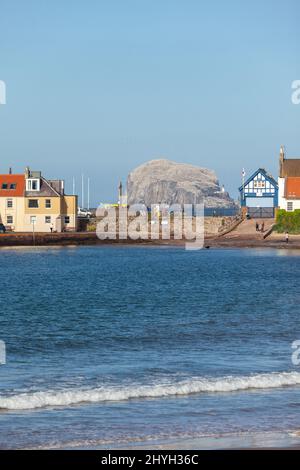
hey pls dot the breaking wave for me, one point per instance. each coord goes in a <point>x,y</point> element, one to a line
<point>52,398</point>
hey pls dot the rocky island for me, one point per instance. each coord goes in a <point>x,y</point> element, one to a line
<point>167,182</point>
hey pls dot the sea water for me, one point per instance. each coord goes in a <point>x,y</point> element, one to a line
<point>127,346</point>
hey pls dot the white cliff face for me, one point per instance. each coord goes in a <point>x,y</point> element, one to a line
<point>164,181</point>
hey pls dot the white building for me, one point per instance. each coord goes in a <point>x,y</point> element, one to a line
<point>288,182</point>
<point>259,194</point>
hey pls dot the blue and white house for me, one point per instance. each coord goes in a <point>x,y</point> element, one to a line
<point>259,194</point>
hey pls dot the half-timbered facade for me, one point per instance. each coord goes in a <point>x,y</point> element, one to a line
<point>259,194</point>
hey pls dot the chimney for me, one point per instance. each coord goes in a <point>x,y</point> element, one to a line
<point>281,160</point>
<point>27,172</point>
<point>10,170</point>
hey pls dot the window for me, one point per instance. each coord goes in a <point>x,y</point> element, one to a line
<point>9,219</point>
<point>33,219</point>
<point>48,203</point>
<point>33,203</point>
<point>8,186</point>
<point>9,203</point>
<point>290,206</point>
<point>67,219</point>
<point>33,185</point>
<point>259,184</point>
<point>47,219</point>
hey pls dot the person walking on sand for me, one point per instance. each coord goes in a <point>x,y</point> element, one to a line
<point>256,226</point>
<point>286,237</point>
<point>263,227</point>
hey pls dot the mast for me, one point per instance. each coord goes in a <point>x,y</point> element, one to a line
<point>82,191</point>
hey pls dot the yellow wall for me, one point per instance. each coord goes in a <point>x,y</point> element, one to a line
<point>55,205</point>
<point>69,205</point>
<point>61,206</point>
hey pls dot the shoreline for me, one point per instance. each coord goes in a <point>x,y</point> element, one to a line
<point>274,241</point>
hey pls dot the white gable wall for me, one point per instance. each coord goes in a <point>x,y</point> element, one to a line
<point>281,190</point>
<point>259,184</point>
<point>282,201</point>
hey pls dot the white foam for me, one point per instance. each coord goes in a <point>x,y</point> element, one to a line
<point>42,399</point>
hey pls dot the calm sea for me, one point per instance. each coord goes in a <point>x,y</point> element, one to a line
<point>116,346</point>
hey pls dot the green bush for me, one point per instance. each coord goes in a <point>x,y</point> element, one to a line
<point>288,221</point>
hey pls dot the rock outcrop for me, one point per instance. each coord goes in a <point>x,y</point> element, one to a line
<point>164,181</point>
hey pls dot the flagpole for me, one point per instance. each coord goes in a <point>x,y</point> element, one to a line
<point>82,191</point>
<point>243,184</point>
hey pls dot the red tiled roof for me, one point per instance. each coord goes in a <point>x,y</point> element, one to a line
<point>292,188</point>
<point>9,181</point>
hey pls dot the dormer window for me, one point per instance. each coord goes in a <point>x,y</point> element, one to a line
<point>32,184</point>
<point>8,186</point>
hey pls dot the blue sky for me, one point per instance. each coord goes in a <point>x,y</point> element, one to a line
<point>100,87</point>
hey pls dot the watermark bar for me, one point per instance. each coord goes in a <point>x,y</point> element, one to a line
<point>2,92</point>
<point>2,353</point>
<point>296,93</point>
<point>296,353</point>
